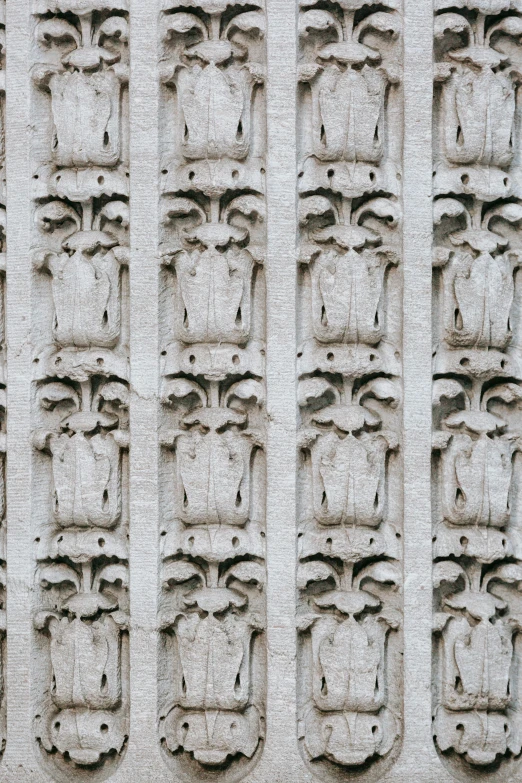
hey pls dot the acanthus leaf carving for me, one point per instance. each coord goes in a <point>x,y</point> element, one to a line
<point>80,253</point>
<point>86,453</point>
<point>477,541</point>
<point>348,261</point>
<point>215,78</point>
<point>478,622</point>
<point>85,270</point>
<point>349,394</point>
<point>83,69</point>
<point>212,612</point>
<point>214,448</point>
<point>214,267</point>
<point>348,657</point>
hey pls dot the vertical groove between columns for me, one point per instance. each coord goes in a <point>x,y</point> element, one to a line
<point>143,761</point>
<point>281,760</point>
<point>418,80</point>
<point>19,761</point>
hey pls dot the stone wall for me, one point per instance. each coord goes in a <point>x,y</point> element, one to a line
<point>260,391</point>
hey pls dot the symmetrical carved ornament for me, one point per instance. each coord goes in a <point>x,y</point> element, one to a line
<point>212,646</point>
<point>477,535</point>
<point>81,395</point>
<point>349,365</point>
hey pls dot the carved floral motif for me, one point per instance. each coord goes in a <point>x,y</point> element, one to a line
<point>214,617</point>
<point>348,259</point>
<point>85,650</point>
<point>208,62</point>
<point>214,260</point>
<point>349,709</point>
<point>348,69</point>
<point>347,720</point>
<point>80,334</point>
<point>477,541</point>
<point>214,447</point>
<point>349,451</point>
<point>349,76</point>
<point>478,269</point>
<point>85,270</point>
<point>479,84</point>
<point>213,248</point>
<point>86,453</point>
<point>478,621</point>
<point>83,67</point>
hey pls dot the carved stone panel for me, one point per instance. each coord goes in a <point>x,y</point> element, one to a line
<point>349,367</point>
<point>477,390</point>
<point>260,391</point>
<point>212,607</point>
<point>80,385</point>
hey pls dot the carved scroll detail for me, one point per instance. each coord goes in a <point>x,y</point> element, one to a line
<point>212,648</point>
<point>80,437</point>
<point>477,387</point>
<point>349,366</point>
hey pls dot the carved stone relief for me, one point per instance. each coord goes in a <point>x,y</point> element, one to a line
<point>212,309</point>
<point>477,388</point>
<point>224,676</point>
<point>349,393</point>
<point>81,395</point>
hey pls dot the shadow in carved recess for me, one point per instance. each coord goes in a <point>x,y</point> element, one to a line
<point>349,322</point>
<point>477,392</point>
<point>80,327</point>
<point>212,306</point>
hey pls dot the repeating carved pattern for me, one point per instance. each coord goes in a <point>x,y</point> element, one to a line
<point>478,387</point>
<point>349,366</point>
<point>80,414</point>
<point>212,646</point>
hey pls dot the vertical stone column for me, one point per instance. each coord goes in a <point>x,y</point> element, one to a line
<point>349,367</point>
<point>20,737</point>
<point>143,760</point>
<point>3,382</point>
<point>212,697</point>
<point>80,346</point>
<point>477,511</point>
<point>418,758</point>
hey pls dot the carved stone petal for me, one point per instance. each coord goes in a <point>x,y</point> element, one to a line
<point>215,106</point>
<point>348,111</point>
<point>213,482</point>
<point>212,737</point>
<point>346,294</point>
<point>476,481</point>
<point>86,294</point>
<point>85,735</point>
<point>348,479</point>
<point>214,296</point>
<point>347,665</point>
<point>86,114</point>
<point>478,295</point>
<point>86,664</point>
<point>86,477</point>
<point>347,738</point>
<point>214,657</point>
<point>477,663</point>
<point>477,736</point>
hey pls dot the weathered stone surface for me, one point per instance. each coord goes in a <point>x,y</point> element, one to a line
<point>260,391</point>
